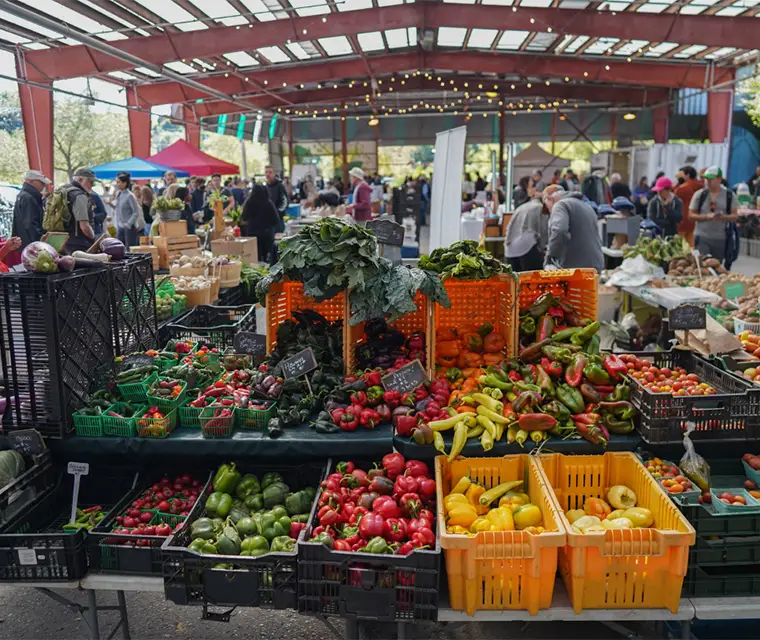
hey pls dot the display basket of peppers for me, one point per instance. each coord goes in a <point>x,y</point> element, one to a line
<point>480,327</point>
<point>195,574</point>
<point>156,423</point>
<point>369,565</point>
<point>136,389</point>
<point>218,420</point>
<point>167,393</point>
<point>733,413</point>
<point>86,424</point>
<point>119,419</point>
<point>255,414</point>
<point>641,568</point>
<point>189,414</point>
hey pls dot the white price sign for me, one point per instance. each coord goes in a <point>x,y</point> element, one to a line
<point>77,469</point>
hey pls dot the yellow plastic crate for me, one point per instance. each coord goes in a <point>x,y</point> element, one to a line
<point>500,569</point>
<point>621,568</point>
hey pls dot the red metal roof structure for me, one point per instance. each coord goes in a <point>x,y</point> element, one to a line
<point>186,157</point>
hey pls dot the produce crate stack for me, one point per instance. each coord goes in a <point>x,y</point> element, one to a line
<point>213,325</point>
<point>133,301</point>
<point>55,336</point>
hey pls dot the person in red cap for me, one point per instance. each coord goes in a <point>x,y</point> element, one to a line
<point>665,209</point>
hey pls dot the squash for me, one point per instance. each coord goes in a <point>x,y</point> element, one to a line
<point>12,465</point>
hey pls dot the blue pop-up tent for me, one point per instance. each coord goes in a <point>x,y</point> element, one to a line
<point>137,168</point>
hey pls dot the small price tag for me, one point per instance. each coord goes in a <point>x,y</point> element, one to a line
<point>27,557</point>
<point>79,468</point>
<point>27,441</point>
<point>687,317</point>
<point>299,364</point>
<point>136,360</point>
<point>733,290</point>
<point>253,343</point>
<point>407,378</point>
<point>387,231</point>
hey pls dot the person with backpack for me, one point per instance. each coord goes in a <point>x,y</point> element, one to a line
<point>713,208</point>
<point>68,209</point>
<point>666,208</point>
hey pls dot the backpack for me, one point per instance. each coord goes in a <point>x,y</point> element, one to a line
<point>57,215</point>
<point>705,193</point>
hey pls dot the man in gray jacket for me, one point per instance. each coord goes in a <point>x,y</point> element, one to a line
<point>573,231</point>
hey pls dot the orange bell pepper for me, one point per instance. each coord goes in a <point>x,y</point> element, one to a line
<point>466,359</point>
<point>448,348</point>
<point>473,342</point>
<point>492,358</point>
<point>444,334</point>
<point>446,363</point>
<point>470,385</point>
<point>597,507</point>
<point>494,343</point>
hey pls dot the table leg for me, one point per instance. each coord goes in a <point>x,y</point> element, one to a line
<point>352,629</point>
<point>123,613</point>
<point>401,630</point>
<point>91,614</point>
<point>686,630</point>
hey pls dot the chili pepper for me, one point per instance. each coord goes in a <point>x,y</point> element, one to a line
<point>622,392</point>
<point>596,374</point>
<point>618,427</point>
<point>558,410</point>
<point>591,433</point>
<point>592,346</point>
<point>585,334</point>
<point>565,334</point>
<point>525,386</point>
<point>493,380</point>
<point>532,351</point>
<point>460,439</point>
<point>560,354</point>
<point>544,381</point>
<point>536,421</point>
<point>614,366</point>
<point>545,328</point>
<point>527,326</point>
<point>571,398</point>
<point>586,418</point>
<point>552,367</point>
<point>589,393</point>
<point>541,304</point>
<point>574,370</point>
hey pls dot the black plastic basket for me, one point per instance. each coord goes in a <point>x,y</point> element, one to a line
<point>55,334</point>
<point>133,304</point>
<point>16,496</point>
<point>715,582</point>
<point>231,297</point>
<point>731,414</point>
<point>268,581</point>
<point>212,325</point>
<point>366,586</point>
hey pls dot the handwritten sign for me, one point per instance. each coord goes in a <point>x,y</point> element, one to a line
<point>687,317</point>
<point>732,290</point>
<point>76,469</point>
<point>299,365</point>
<point>27,441</point>
<point>137,360</point>
<point>407,378</point>
<point>387,231</point>
<point>253,343</point>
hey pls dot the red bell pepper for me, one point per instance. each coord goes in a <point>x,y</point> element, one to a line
<point>386,507</point>
<point>432,410</point>
<point>416,468</point>
<point>296,528</point>
<point>347,510</point>
<point>356,494</point>
<point>405,425</point>
<point>341,545</point>
<point>337,415</point>
<point>426,489</point>
<point>410,505</point>
<point>384,413</point>
<point>423,538</point>
<point>407,399</point>
<point>369,418</point>
<point>393,463</point>
<point>405,549</point>
<point>574,370</point>
<point>371,525</point>
<point>394,530</point>
<point>376,471</point>
<point>405,484</point>
<point>392,398</point>
<point>382,485</point>
<point>415,524</point>
<point>349,421</point>
<point>420,393</point>
<point>345,467</point>
<point>373,378</point>
<point>329,516</point>
<point>359,397</point>
<point>332,498</point>
<point>351,534</point>
<point>427,514</point>
<point>552,367</point>
<point>356,516</point>
<point>614,366</point>
<point>359,478</point>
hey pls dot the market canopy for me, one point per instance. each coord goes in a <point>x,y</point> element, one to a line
<point>535,158</point>
<point>186,157</point>
<point>137,168</point>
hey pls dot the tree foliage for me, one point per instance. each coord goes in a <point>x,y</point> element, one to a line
<point>10,112</point>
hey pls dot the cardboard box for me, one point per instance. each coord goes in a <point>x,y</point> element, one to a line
<point>146,248</point>
<point>244,248</point>
<point>174,229</point>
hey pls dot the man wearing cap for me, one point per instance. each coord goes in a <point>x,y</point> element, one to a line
<point>28,210</point>
<point>712,208</point>
<point>361,208</point>
<point>666,208</point>
<point>81,234</point>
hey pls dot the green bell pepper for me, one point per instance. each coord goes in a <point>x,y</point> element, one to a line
<point>249,485</point>
<point>199,545</point>
<point>571,398</point>
<point>300,517</point>
<point>298,502</point>
<point>227,478</point>
<point>247,526</point>
<point>238,513</point>
<point>228,543</point>
<point>273,526</point>
<point>219,504</point>
<point>377,545</point>
<point>254,546</point>
<point>254,502</point>
<point>270,478</point>
<point>279,511</point>
<point>275,494</point>
<point>204,529</point>
<point>595,374</point>
<point>283,544</point>
<point>323,538</point>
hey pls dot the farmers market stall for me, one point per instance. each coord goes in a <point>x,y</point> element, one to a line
<point>378,421</point>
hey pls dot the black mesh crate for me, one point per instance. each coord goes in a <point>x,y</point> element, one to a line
<point>133,304</point>
<point>716,582</point>
<point>366,586</point>
<point>231,297</point>
<point>212,325</point>
<point>731,414</point>
<point>268,581</point>
<point>55,333</point>
<point>16,496</point>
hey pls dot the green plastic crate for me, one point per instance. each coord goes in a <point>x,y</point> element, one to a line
<point>157,427</point>
<point>165,403</point>
<point>223,427</point>
<point>137,391</point>
<point>88,425</point>
<point>254,418</point>
<point>190,417</point>
<point>122,427</point>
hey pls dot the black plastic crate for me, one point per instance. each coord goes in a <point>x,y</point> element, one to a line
<point>232,297</point>
<point>731,414</point>
<point>212,325</point>
<point>707,582</point>
<point>55,333</point>
<point>724,552</point>
<point>268,581</point>
<point>133,304</point>
<point>16,496</point>
<point>366,586</point>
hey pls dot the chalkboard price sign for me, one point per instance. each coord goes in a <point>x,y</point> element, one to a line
<point>299,365</point>
<point>137,360</point>
<point>27,441</point>
<point>253,343</point>
<point>407,378</point>
<point>688,317</point>
<point>387,231</point>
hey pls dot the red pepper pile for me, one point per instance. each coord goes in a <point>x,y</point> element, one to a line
<point>176,497</point>
<point>388,509</point>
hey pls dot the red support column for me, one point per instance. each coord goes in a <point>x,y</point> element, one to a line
<point>139,126</point>
<point>660,123</point>
<point>192,131</point>
<point>37,117</point>
<point>719,105</point>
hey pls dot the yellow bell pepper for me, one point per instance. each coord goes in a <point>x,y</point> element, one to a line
<point>457,529</point>
<point>454,499</point>
<point>528,516</point>
<point>473,493</point>
<point>482,524</point>
<point>463,515</point>
<point>501,518</point>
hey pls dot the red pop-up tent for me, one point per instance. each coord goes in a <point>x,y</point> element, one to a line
<point>186,157</point>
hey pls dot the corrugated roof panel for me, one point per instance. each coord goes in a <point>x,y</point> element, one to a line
<point>298,51</point>
<point>241,59</point>
<point>34,28</point>
<point>396,38</point>
<point>233,21</point>
<point>690,51</point>
<point>660,49</point>
<point>451,36</point>
<point>652,7</point>
<point>616,6</point>
<point>499,3</point>
<point>576,44</point>
<point>389,3</point>
<point>459,1</point>
<point>273,54</point>
<point>411,33</point>
<point>371,41</point>
<point>122,76</point>
<point>168,10</point>
<point>195,25</point>
<point>310,7</point>
<point>536,3</point>
<point>631,47</point>
<point>336,45</point>
<point>259,9</point>
<point>512,39</point>
<point>354,5</point>
<point>566,39</point>
<point>148,72</point>
<point>541,41</point>
<point>691,9</point>
<point>601,46</point>
<point>482,38</point>
<point>573,4</point>
<point>64,14</point>
<point>214,8</point>
<point>11,37</point>
<point>180,67</point>
<point>720,53</point>
<point>731,11</point>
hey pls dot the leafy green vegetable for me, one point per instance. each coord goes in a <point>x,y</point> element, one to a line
<point>464,261</point>
<point>250,277</point>
<point>658,250</point>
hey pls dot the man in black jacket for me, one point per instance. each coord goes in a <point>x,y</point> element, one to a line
<point>277,195</point>
<point>28,209</point>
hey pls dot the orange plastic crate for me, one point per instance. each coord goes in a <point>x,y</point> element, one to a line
<point>620,568</point>
<point>407,324</point>
<point>285,297</point>
<point>500,569</point>
<point>580,287</point>
<point>477,302</point>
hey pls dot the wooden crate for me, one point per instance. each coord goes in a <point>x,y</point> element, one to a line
<point>171,248</point>
<point>147,248</point>
<point>244,248</point>
<point>174,229</point>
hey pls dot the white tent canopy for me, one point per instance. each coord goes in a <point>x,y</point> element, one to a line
<point>535,158</point>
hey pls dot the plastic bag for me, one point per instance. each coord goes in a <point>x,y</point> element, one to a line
<point>693,465</point>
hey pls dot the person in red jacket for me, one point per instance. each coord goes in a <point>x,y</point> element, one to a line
<point>361,208</point>
<point>685,191</point>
